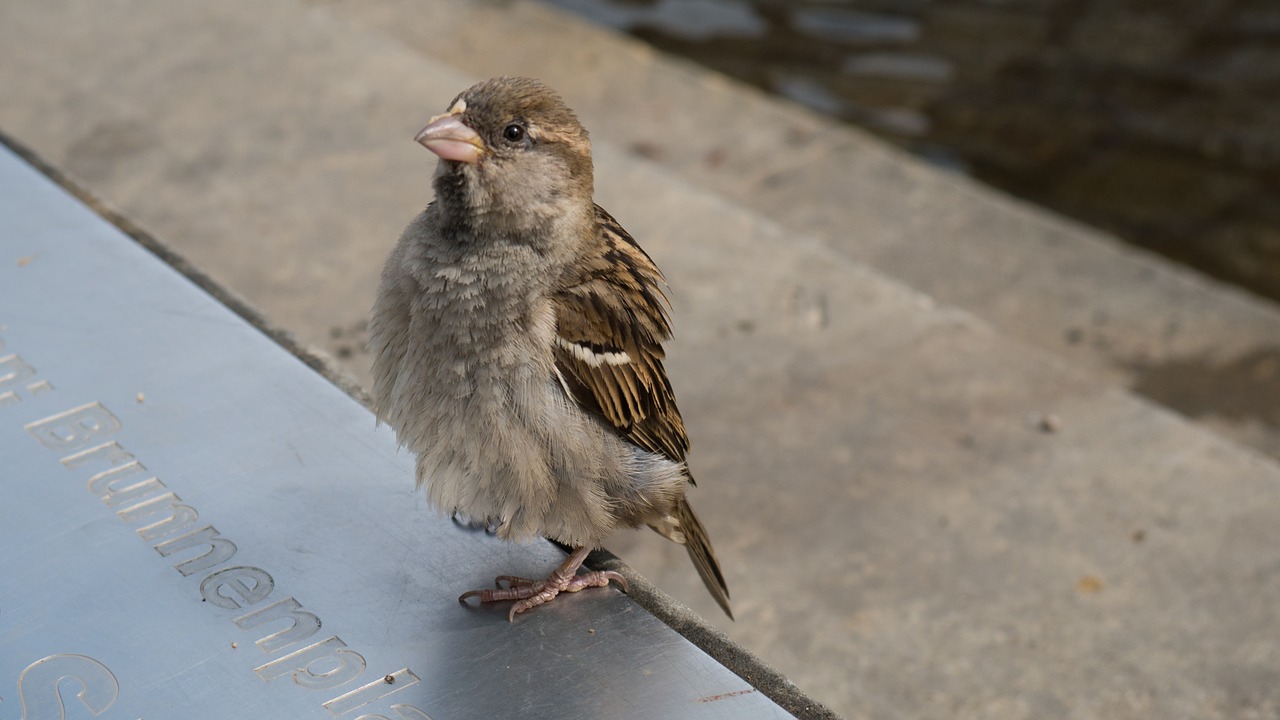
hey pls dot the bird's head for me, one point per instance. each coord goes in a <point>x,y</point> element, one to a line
<point>511,153</point>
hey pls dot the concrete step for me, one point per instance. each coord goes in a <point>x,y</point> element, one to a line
<point>1205,349</point>
<point>919,514</point>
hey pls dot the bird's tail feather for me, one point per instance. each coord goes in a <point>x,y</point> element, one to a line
<point>703,556</point>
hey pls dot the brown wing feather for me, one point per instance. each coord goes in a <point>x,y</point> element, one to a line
<point>613,303</point>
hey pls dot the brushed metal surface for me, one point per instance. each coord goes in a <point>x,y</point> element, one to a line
<point>194,524</point>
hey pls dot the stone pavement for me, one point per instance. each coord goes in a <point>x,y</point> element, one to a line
<point>932,488</point>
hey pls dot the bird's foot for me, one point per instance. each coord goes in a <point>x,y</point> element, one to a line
<point>532,593</point>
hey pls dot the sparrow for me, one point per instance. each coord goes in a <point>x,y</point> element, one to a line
<point>517,346</point>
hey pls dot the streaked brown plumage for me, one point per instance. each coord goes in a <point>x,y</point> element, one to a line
<point>612,301</point>
<point>517,341</point>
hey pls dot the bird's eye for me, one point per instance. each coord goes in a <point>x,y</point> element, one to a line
<point>513,132</point>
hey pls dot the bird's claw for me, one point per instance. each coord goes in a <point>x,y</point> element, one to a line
<point>529,594</point>
<point>611,575</point>
<point>512,581</point>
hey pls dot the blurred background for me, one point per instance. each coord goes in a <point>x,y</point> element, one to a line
<point>1157,120</point>
<point>966,446</point>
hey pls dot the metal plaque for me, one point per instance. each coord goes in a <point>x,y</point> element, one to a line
<point>193,524</point>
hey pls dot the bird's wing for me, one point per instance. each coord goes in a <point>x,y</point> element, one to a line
<point>611,321</point>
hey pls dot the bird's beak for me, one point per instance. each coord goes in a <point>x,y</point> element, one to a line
<point>448,137</point>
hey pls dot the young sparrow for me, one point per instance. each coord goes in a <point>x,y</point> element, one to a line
<point>517,344</point>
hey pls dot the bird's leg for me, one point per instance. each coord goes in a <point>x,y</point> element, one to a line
<point>532,593</point>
